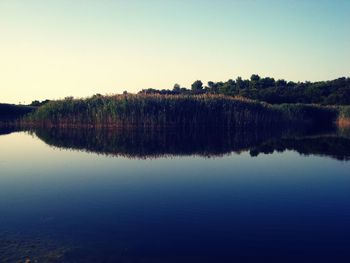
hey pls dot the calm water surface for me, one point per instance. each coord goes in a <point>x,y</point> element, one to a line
<point>71,196</point>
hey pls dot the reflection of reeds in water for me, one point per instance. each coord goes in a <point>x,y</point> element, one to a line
<point>152,143</point>
<point>135,143</point>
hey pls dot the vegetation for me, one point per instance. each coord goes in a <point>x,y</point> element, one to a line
<point>175,110</point>
<point>37,103</point>
<point>233,104</point>
<point>333,92</point>
<point>10,112</point>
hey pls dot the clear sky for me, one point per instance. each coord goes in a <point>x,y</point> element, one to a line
<point>53,49</point>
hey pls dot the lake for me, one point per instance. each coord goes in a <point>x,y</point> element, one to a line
<point>175,196</point>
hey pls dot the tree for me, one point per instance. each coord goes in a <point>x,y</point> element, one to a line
<point>255,77</point>
<point>254,81</point>
<point>39,103</point>
<point>281,83</point>
<point>239,83</point>
<point>35,103</point>
<point>267,82</point>
<point>176,88</point>
<point>197,86</point>
<point>212,87</point>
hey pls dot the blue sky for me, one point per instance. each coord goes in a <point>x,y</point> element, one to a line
<point>52,49</point>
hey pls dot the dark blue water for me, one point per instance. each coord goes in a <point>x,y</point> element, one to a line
<point>61,204</point>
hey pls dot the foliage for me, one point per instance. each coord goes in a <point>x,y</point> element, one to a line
<point>317,114</point>
<point>37,103</point>
<point>174,110</point>
<point>333,92</point>
<point>10,112</point>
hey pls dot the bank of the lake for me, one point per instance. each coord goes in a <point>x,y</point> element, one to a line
<point>10,113</point>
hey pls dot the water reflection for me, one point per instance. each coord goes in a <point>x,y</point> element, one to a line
<point>148,143</point>
<point>4,130</point>
<point>333,146</point>
<point>68,206</point>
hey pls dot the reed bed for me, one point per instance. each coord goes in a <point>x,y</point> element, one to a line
<point>155,110</point>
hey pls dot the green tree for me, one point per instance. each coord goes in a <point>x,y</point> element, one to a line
<point>255,77</point>
<point>176,88</point>
<point>197,86</point>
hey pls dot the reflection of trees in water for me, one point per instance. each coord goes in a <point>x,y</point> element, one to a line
<point>203,142</point>
<point>327,145</point>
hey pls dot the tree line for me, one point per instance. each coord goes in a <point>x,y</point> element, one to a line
<point>267,89</point>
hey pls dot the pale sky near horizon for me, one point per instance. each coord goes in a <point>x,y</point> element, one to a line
<point>53,49</point>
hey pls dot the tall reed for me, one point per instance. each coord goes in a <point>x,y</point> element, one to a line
<point>173,110</point>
